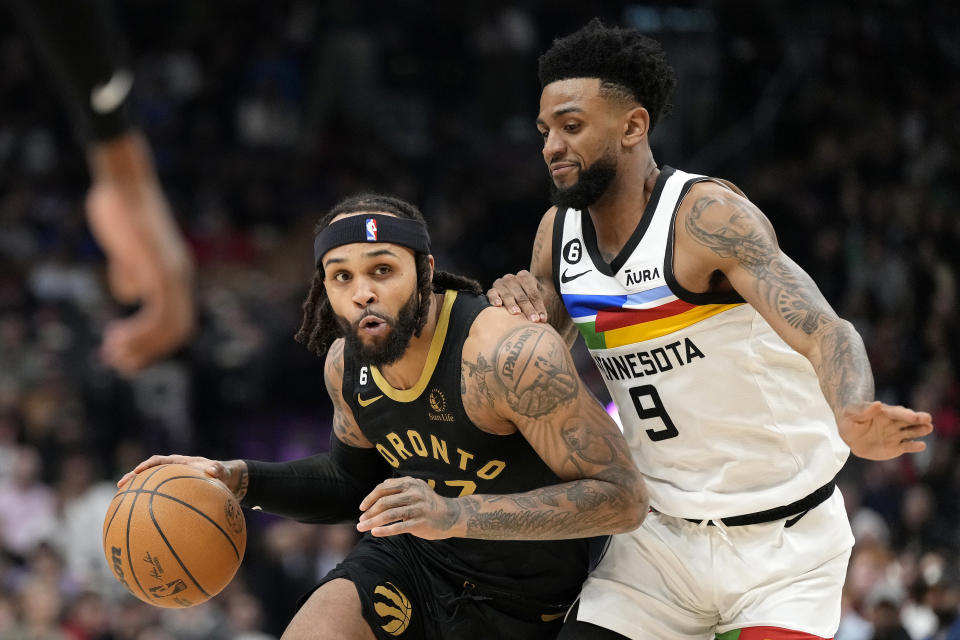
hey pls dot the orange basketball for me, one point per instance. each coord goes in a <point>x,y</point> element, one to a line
<point>173,536</point>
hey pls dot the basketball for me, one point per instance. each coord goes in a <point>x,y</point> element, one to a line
<point>173,536</point>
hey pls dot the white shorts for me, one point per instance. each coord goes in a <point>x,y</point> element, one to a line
<point>672,579</point>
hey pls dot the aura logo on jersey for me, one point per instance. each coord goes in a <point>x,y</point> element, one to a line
<point>639,276</point>
<point>393,607</point>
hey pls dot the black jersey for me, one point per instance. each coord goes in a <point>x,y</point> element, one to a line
<point>424,432</point>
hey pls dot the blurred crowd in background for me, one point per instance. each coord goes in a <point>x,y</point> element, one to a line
<point>840,123</point>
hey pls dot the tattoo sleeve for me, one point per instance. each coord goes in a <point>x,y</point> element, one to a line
<point>344,426</point>
<point>532,369</point>
<point>732,227</point>
<point>530,375</point>
<point>541,266</point>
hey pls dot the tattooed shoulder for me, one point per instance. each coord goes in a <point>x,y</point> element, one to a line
<point>533,368</point>
<point>333,366</point>
<point>732,227</point>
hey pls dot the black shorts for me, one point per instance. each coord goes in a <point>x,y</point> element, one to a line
<point>404,598</point>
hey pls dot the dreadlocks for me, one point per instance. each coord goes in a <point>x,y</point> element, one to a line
<point>630,65</point>
<point>319,327</point>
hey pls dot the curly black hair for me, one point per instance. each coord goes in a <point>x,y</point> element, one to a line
<point>628,64</point>
<point>319,327</point>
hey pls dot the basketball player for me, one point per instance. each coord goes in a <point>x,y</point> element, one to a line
<point>148,261</point>
<point>740,390</point>
<point>478,463</point>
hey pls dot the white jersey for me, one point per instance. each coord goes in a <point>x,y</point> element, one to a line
<point>722,416</point>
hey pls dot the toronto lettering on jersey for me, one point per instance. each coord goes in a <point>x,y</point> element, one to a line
<point>639,276</point>
<point>412,443</point>
<point>644,363</point>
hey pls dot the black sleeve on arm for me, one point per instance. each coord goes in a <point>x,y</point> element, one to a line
<point>325,488</point>
<point>79,44</point>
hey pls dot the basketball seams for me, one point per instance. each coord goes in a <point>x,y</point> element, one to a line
<point>136,533</point>
<point>173,551</point>
<point>133,504</point>
<point>156,491</point>
<point>109,523</point>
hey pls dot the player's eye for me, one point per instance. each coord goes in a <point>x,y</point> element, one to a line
<point>571,127</point>
<point>341,276</point>
<point>382,270</point>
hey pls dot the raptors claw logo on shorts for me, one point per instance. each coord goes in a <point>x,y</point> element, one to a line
<point>395,612</point>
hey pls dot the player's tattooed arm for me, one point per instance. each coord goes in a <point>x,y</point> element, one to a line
<point>529,379</point>
<point>344,424</point>
<point>746,248</point>
<point>532,292</point>
<point>541,266</point>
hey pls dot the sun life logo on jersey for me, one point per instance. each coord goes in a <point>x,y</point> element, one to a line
<point>438,406</point>
<point>371,230</point>
<point>393,607</point>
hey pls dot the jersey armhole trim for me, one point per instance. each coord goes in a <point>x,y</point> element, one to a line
<point>558,221</point>
<point>689,296</point>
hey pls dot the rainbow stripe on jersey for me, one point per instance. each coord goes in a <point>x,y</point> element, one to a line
<point>608,321</point>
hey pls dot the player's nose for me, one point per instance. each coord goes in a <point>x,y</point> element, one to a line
<point>553,147</point>
<point>364,293</point>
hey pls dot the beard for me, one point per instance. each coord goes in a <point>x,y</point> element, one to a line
<point>592,183</point>
<point>391,348</point>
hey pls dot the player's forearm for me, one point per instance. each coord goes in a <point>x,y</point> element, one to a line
<point>324,488</point>
<point>842,366</point>
<point>557,315</point>
<point>576,509</point>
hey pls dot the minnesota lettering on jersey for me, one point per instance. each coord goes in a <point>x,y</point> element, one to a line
<point>644,363</point>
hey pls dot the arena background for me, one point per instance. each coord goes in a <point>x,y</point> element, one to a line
<point>840,122</point>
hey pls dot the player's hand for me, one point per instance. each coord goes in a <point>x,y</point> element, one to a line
<point>147,259</point>
<point>231,473</point>
<point>520,293</point>
<point>408,505</point>
<point>878,431</point>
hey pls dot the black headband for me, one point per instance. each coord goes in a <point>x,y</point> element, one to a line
<point>371,227</point>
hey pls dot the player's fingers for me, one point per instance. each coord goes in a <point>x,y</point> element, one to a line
<point>510,292</point>
<point>391,529</point>
<point>865,412</point>
<point>912,446</point>
<point>155,461</point>
<point>901,414</point>
<point>387,487</point>
<point>127,477</point>
<point>493,297</point>
<point>387,502</point>
<point>916,431</point>
<point>397,514</point>
<point>534,293</point>
<point>528,296</point>
<point>214,468</point>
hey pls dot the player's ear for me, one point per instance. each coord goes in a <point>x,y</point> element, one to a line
<point>431,262</point>
<point>636,126</point>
